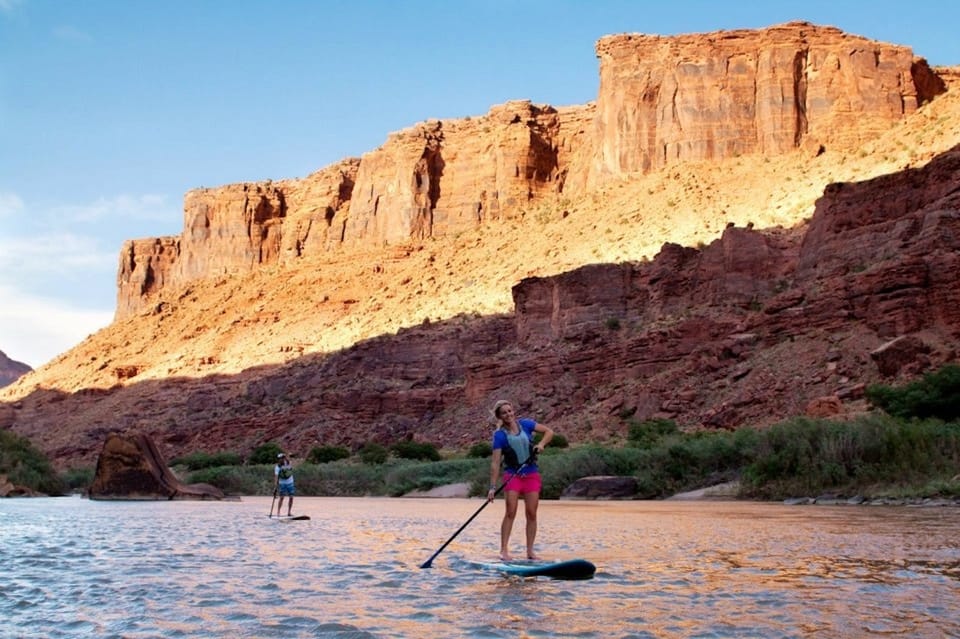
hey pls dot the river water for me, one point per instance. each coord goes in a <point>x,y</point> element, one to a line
<point>70,567</point>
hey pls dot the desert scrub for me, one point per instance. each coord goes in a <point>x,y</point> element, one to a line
<point>24,465</point>
<point>326,454</point>
<point>410,476</point>
<point>416,450</point>
<point>198,460</point>
<point>78,479</point>
<point>805,457</point>
<point>562,468</point>
<point>334,479</point>
<point>936,395</point>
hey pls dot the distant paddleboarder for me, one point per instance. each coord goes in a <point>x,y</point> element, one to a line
<point>513,446</point>
<point>283,482</point>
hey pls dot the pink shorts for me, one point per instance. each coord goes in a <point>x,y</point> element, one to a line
<point>526,483</point>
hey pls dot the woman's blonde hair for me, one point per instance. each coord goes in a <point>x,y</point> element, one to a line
<point>494,412</point>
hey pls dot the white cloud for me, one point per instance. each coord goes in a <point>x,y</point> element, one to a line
<point>58,267</point>
<point>10,203</point>
<point>71,241</point>
<point>147,207</point>
<point>34,330</point>
<point>62,254</point>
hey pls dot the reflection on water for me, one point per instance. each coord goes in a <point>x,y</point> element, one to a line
<point>74,568</point>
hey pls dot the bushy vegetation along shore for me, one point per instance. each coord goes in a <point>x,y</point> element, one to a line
<point>908,448</point>
<point>876,456</point>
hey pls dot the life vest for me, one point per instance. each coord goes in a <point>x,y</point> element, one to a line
<point>517,450</point>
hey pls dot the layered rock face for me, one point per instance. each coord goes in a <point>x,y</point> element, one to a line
<point>891,261</point>
<point>755,327</point>
<point>665,100</point>
<point>444,176</point>
<point>146,267</point>
<point>237,228</point>
<point>432,179</point>
<point>661,101</point>
<point>880,259</point>
<point>314,221</point>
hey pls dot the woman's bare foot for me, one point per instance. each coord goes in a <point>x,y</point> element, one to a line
<point>505,556</point>
<point>533,556</point>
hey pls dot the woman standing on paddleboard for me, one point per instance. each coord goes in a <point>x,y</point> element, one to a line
<point>513,446</point>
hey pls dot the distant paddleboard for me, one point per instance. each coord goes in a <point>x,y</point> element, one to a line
<point>569,569</point>
<point>288,518</point>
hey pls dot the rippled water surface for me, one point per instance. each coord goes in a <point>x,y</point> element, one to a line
<point>70,567</point>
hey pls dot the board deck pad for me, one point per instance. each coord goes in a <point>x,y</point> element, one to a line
<point>568,569</point>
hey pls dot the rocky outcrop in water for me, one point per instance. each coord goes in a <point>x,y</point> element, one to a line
<point>130,467</point>
<point>9,489</point>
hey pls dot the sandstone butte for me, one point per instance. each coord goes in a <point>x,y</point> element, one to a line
<point>743,226</point>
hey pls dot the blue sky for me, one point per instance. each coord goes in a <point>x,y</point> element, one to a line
<point>111,110</point>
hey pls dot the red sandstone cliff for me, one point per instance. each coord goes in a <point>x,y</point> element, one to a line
<point>662,101</point>
<point>719,95</point>
<point>510,255</point>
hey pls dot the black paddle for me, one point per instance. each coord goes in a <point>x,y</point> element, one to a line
<point>429,562</point>
<point>270,516</point>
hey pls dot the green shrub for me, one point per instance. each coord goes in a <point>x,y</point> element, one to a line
<point>685,462</point>
<point>342,479</point>
<point>561,470</point>
<point>807,457</point>
<point>649,432</point>
<point>409,476</point>
<point>935,395</point>
<point>877,454</point>
<point>265,454</point>
<point>78,479</point>
<point>335,479</point>
<point>236,480</point>
<point>416,450</point>
<point>26,466</point>
<point>481,449</point>
<point>198,460</point>
<point>327,454</point>
<point>559,441</point>
<point>373,454</point>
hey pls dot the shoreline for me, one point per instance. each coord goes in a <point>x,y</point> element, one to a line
<point>728,492</point>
